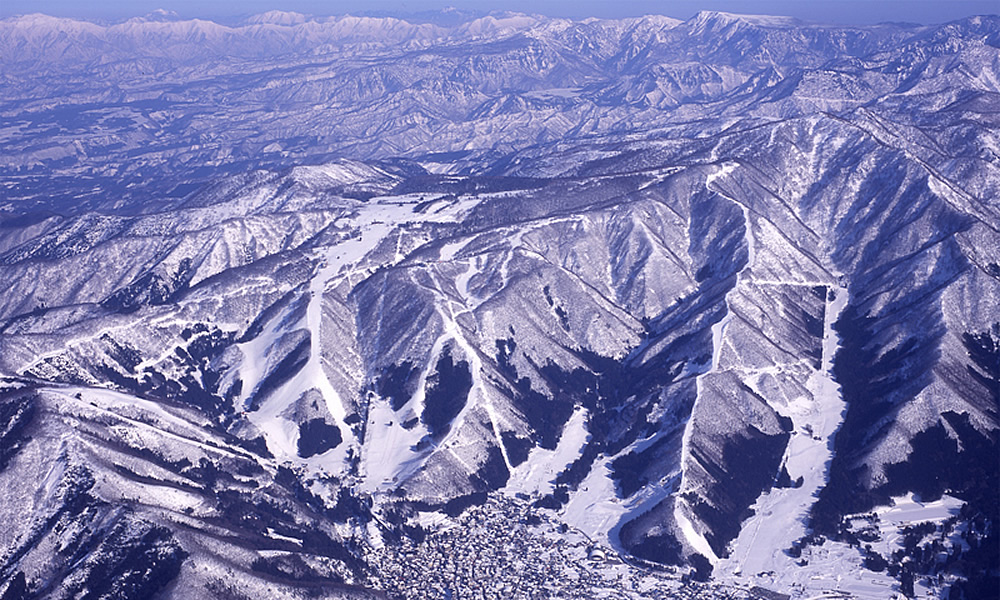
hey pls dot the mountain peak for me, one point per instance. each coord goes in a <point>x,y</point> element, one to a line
<point>712,18</point>
<point>277,17</point>
<point>500,22</point>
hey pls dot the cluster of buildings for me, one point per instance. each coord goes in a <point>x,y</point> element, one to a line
<point>506,550</point>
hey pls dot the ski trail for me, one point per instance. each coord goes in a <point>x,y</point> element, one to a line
<point>374,222</point>
<point>781,514</point>
<point>695,539</point>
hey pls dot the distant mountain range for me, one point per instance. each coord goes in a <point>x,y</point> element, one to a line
<point>499,307</point>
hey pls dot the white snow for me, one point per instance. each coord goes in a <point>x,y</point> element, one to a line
<point>118,405</point>
<point>536,474</point>
<point>595,508</point>
<point>478,395</point>
<point>831,569</point>
<point>719,329</point>
<point>374,221</point>
<point>693,537</point>
<point>907,510</point>
<point>723,171</point>
<point>555,92</point>
<point>834,569</point>
<point>274,535</point>
<point>781,513</point>
<point>389,459</point>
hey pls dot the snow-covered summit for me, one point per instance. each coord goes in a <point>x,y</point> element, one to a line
<point>278,17</point>
<point>160,15</point>
<point>708,20</point>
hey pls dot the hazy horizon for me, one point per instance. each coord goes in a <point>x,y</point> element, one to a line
<point>847,12</point>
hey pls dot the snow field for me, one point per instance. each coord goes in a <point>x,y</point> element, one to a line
<point>781,514</point>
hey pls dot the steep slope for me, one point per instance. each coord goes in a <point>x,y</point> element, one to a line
<point>137,498</point>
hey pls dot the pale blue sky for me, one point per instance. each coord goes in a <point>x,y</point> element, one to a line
<point>834,11</point>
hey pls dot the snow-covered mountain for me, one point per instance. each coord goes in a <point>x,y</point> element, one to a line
<point>312,307</point>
